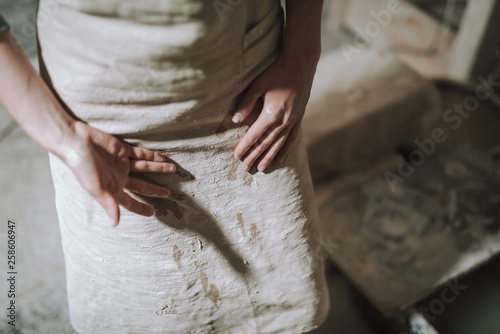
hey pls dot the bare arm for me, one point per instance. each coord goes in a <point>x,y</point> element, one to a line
<point>303,30</point>
<point>100,161</point>
<point>28,99</point>
<point>285,87</point>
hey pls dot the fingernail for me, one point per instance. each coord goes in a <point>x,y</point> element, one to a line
<point>244,167</point>
<point>261,168</point>
<point>237,156</point>
<point>237,117</point>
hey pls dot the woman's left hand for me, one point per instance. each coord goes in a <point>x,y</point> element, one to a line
<point>285,89</point>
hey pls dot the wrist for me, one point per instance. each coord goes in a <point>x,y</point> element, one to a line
<point>302,55</point>
<point>71,147</point>
<point>301,62</point>
<point>52,127</point>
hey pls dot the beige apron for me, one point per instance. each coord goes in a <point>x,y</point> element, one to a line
<point>230,251</point>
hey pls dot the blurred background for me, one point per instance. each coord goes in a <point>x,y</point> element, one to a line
<point>403,139</point>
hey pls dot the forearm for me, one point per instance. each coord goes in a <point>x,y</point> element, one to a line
<point>303,30</point>
<point>24,94</point>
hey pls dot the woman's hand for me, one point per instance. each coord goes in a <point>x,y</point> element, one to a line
<point>100,161</point>
<point>285,88</point>
<point>102,164</point>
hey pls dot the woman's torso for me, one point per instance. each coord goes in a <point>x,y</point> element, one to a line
<point>129,67</point>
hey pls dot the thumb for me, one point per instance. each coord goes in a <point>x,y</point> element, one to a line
<point>247,103</point>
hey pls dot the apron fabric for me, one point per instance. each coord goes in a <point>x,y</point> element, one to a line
<point>230,251</point>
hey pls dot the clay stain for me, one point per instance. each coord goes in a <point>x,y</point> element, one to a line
<point>254,231</point>
<point>213,294</point>
<point>235,169</point>
<point>177,256</point>
<point>247,179</point>
<point>241,224</point>
<point>210,291</point>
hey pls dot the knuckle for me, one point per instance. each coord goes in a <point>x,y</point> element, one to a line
<point>276,117</point>
<point>146,166</point>
<point>135,165</point>
<point>122,149</point>
<point>260,149</point>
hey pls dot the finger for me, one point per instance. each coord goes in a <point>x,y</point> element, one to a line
<point>247,103</point>
<point>272,117</point>
<point>260,147</point>
<point>140,153</point>
<point>135,206</point>
<point>151,166</point>
<point>289,142</point>
<point>274,149</point>
<point>147,188</point>
<point>110,205</point>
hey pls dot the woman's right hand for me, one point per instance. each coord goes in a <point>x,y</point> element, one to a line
<point>102,163</point>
